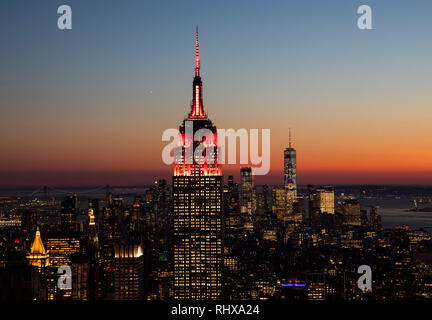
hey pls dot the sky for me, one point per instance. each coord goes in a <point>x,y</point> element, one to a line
<point>88,106</point>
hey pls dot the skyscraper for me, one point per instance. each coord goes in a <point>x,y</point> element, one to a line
<point>197,204</point>
<point>92,231</point>
<point>247,191</point>
<point>93,255</point>
<point>94,205</point>
<point>290,172</point>
<point>62,247</point>
<point>129,272</point>
<point>68,213</point>
<point>279,201</point>
<point>323,200</point>
<point>38,255</point>
<point>350,211</point>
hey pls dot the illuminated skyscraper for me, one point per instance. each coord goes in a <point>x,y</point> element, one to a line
<point>92,231</point>
<point>94,204</point>
<point>129,272</point>
<point>246,190</point>
<point>197,204</point>
<point>62,247</point>
<point>38,256</point>
<point>323,200</point>
<point>279,196</point>
<point>93,257</point>
<point>290,172</point>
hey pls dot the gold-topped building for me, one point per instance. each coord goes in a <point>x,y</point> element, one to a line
<point>38,256</point>
<point>129,272</point>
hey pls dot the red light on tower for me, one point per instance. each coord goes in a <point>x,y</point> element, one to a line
<point>197,194</point>
<point>197,108</point>
<point>197,60</point>
<point>200,121</point>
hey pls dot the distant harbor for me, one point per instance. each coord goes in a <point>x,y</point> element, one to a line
<point>415,208</point>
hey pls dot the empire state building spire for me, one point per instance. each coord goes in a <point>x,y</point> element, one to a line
<point>197,105</point>
<point>197,59</point>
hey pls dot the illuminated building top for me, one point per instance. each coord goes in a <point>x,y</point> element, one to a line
<point>197,204</point>
<point>185,163</point>
<point>91,217</point>
<point>38,255</point>
<point>127,251</point>
<point>37,246</point>
<point>197,111</point>
<point>93,237</point>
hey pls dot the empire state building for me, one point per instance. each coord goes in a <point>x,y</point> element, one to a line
<point>197,205</point>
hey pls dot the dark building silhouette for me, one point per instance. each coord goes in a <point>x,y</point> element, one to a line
<point>68,214</point>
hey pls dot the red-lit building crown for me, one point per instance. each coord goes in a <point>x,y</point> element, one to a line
<point>198,120</point>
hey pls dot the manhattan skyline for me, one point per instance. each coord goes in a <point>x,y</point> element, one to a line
<point>114,183</point>
<point>88,107</point>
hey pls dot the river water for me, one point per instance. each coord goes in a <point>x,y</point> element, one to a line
<point>394,213</point>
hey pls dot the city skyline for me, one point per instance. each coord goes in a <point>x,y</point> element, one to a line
<point>77,109</point>
<point>118,186</point>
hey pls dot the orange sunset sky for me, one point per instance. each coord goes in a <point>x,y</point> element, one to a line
<point>88,107</point>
